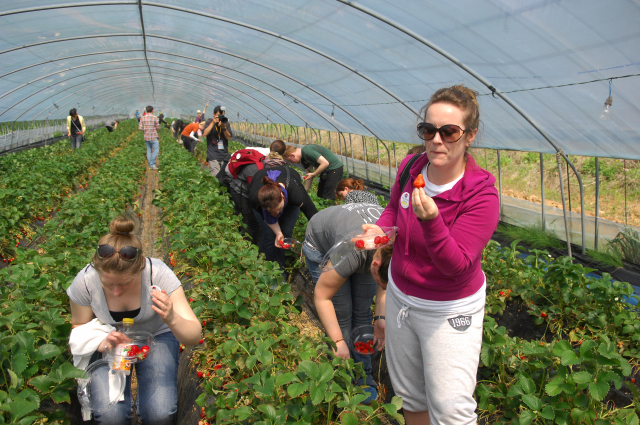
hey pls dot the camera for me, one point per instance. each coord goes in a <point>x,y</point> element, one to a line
<point>223,119</point>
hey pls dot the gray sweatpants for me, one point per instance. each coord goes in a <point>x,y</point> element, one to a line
<point>433,360</point>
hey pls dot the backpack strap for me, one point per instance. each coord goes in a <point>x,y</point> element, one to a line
<point>150,271</point>
<point>404,177</point>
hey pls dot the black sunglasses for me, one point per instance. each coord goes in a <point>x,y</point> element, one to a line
<point>449,133</point>
<point>127,253</point>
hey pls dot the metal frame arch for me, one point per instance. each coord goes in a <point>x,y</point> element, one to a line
<point>229,77</point>
<point>238,57</point>
<point>229,21</point>
<point>67,70</point>
<point>68,57</point>
<point>69,88</point>
<point>486,83</point>
<point>99,95</point>
<point>58,92</point>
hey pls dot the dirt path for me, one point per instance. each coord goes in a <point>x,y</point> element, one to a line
<point>150,216</point>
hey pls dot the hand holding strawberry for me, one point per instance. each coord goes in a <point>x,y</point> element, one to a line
<point>423,205</point>
<point>279,240</point>
<point>378,334</point>
<point>163,305</point>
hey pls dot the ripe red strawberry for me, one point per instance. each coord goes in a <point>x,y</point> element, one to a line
<point>633,380</point>
<point>204,323</point>
<point>200,374</point>
<point>145,349</point>
<point>190,300</point>
<point>377,240</point>
<point>543,314</point>
<point>359,244</point>
<point>201,341</point>
<point>384,239</point>
<point>502,293</point>
<point>419,181</point>
<point>218,366</point>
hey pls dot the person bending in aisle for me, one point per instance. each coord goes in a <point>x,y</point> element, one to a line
<point>346,186</point>
<point>112,125</point>
<point>343,296</point>
<point>176,127</point>
<point>277,197</point>
<point>326,164</point>
<point>121,283</point>
<point>278,146</point>
<point>149,123</point>
<point>75,129</point>
<point>239,191</point>
<point>218,132</point>
<point>189,139</point>
<point>162,121</point>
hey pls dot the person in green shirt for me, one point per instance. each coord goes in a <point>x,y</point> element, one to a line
<point>319,161</point>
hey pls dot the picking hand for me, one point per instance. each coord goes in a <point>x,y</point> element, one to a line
<point>113,339</point>
<point>163,305</point>
<point>279,240</point>
<point>423,205</point>
<point>342,350</point>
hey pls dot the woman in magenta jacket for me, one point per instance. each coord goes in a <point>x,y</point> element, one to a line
<point>436,290</point>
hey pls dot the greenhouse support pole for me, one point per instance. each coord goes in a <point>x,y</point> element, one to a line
<point>388,155</point>
<point>624,165</point>
<point>544,226</point>
<point>500,182</point>
<point>564,208</point>
<point>364,146</point>
<point>395,157</point>
<point>569,187</point>
<point>379,166</point>
<point>298,134</point>
<point>595,231</point>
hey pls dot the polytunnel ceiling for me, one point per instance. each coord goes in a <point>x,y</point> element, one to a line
<point>542,68</point>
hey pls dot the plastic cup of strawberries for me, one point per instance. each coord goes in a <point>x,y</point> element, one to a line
<point>362,340</point>
<point>138,348</point>
<point>354,242</point>
<point>290,243</point>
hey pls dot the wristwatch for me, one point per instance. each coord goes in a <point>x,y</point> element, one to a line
<point>378,317</point>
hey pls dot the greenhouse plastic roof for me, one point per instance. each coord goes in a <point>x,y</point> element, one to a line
<point>542,68</point>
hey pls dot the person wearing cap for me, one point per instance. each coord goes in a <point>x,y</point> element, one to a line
<point>218,132</point>
<point>201,114</point>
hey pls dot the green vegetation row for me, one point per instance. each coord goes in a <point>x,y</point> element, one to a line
<point>590,345</point>
<point>35,181</point>
<point>34,313</point>
<point>255,366</point>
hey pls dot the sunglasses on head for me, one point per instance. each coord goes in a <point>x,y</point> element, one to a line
<point>127,253</point>
<point>449,133</point>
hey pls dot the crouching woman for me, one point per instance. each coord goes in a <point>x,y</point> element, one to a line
<point>117,284</point>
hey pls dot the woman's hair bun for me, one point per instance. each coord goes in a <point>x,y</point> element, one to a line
<point>266,180</point>
<point>121,226</point>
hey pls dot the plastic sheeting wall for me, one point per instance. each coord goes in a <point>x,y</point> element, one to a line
<point>372,64</point>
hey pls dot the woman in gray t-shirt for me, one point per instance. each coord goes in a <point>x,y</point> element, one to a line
<point>118,285</point>
<point>343,296</point>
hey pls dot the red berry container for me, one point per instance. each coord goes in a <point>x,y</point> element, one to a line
<point>361,339</point>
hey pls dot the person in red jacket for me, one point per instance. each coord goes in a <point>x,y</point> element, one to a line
<point>436,290</point>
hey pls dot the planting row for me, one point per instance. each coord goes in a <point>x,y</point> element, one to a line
<point>34,313</point>
<point>255,365</point>
<point>35,181</point>
<point>572,348</point>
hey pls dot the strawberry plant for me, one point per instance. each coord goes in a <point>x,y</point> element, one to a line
<point>34,182</point>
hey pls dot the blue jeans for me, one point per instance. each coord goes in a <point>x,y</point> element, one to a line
<point>352,302</point>
<point>287,222</point>
<point>153,148</point>
<point>76,141</point>
<point>157,375</point>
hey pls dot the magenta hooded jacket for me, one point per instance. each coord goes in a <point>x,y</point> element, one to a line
<point>439,259</point>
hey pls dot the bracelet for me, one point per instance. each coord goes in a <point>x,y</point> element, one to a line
<point>378,317</point>
<point>341,339</point>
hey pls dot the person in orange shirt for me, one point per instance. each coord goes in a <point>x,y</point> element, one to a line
<point>189,139</point>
